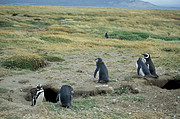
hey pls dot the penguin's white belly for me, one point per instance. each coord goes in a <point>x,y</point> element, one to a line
<point>98,74</point>
<point>136,65</point>
<point>141,72</point>
<point>40,98</point>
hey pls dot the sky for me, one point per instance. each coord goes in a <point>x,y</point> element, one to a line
<point>166,3</point>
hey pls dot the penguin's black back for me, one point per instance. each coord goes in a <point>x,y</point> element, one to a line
<point>103,73</point>
<point>151,66</point>
<point>66,95</point>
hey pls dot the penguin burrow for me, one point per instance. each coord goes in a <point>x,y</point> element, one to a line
<point>172,85</point>
<point>50,95</point>
<point>41,93</point>
<point>101,70</point>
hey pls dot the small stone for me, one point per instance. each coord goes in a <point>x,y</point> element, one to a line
<point>176,103</point>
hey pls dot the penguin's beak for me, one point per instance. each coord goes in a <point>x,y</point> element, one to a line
<point>143,54</point>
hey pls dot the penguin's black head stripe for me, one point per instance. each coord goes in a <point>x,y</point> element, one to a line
<point>146,55</point>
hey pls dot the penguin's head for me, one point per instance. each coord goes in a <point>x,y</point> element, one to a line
<point>139,58</point>
<point>39,86</point>
<point>98,60</point>
<point>146,55</point>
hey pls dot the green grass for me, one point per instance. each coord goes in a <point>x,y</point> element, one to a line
<point>140,36</point>
<point>60,68</point>
<point>137,98</point>
<point>120,91</point>
<point>3,90</point>
<point>53,59</point>
<point>171,49</point>
<point>177,77</point>
<point>77,105</point>
<point>56,40</point>
<point>6,24</point>
<point>83,104</point>
<point>128,78</point>
<point>12,117</point>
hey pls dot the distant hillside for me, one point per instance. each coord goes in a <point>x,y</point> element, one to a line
<point>131,4</point>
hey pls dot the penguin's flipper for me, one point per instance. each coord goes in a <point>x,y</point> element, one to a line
<point>97,69</point>
<point>33,101</point>
<point>58,97</point>
<point>138,69</point>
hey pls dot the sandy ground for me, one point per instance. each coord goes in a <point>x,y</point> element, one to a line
<point>77,70</point>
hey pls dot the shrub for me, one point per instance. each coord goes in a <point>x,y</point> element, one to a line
<point>24,61</point>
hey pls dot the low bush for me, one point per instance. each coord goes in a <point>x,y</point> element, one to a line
<point>25,61</point>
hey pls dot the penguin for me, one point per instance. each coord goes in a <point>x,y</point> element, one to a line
<point>101,70</point>
<point>65,96</point>
<point>150,64</point>
<point>142,68</point>
<point>39,95</point>
<point>106,35</point>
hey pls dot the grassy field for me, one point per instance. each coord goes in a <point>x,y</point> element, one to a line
<point>30,36</point>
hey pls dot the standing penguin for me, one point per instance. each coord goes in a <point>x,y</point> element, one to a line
<point>102,70</point>
<point>39,95</point>
<point>142,68</point>
<point>65,96</point>
<point>106,35</point>
<point>150,64</point>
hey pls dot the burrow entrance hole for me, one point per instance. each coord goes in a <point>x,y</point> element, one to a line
<point>172,85</point>
<point>165,84</point>
<point>50,94</point>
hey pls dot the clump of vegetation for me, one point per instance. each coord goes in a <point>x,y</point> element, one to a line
<point>54,59</point>
<point>139,36</point>
<point>5,24</point>
<point>56,40</point>
<point>177,77</point>
<point>24,61</point>
<point>171,49</point>
<point>120,91</point>
<point>3,90</point>
<point>128,78</point>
